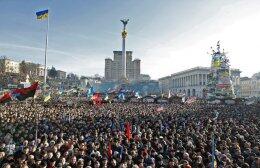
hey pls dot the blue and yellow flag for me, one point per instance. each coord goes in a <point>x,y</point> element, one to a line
<point>41,15</point>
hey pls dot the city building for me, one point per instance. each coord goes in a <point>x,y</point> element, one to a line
<point>145,87</point>
<point>113,68</point>
<point>9,66</point>
<point>193,82</point>
<point>165,84</point>
<point>256,85</point>
<point>34,69</point>
<point>250,87</point>
<point>136,69</point>
<point>40,70</point>
<point>144,77</point>
<point>61,74</point>
<point>235,78</point>
<point>87,82</point>
<point>245,87</point>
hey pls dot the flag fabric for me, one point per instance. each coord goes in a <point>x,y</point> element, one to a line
<point>250,102</point>
<point>24,93</point>
<point>191,100</point>
<point>35,95</point>
<point>216,115</point>
<point>90,92</point>
<point>5,98</point>
<point>169,94</point>
<point>41,15</point>
<point>128,131</point>
<point>183,99</point>
<point>121,96</point>
<point>47,97</point>
<point>37,92</point>
<point>97,98</point>
<point>113,127</point>
<point>137,95</point>
<point>107,97</point>
<point>122,127</point>
<point>215,163</point>
<point>109,150</point>
<point>159,109</point>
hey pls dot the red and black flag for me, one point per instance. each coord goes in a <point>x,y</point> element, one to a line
<point>5,98</point>
<point>128,131</point>
<point>97,98</point>
<point>24,93</point>
<point>109,150</point>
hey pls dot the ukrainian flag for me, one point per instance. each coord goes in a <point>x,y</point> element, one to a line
<point>41,15</point>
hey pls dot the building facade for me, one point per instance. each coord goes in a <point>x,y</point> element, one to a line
<point>34,69</point>
<point>192,82</point>
<point>136,70</point>
<point>144,77</point>
<point>250,87</point>
<point>165,84</point>
<point>61,74</point>
<point>235,78</point>
<point>113,68</point>
<point>246,87</point>
<point>9,66</point>
<point>40,70</point>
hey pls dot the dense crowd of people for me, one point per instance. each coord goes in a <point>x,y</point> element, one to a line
<point>175,136</point>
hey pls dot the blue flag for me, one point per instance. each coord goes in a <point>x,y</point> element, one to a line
<point>90,92</point>
<point>121,96</point>
<point>137,95</point>
<point>106,97</point>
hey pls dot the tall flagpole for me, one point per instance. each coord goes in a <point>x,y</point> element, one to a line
<point>45,76</point>
<point>46,47</point>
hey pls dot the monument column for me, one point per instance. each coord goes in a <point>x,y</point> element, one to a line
<point>124,34</point>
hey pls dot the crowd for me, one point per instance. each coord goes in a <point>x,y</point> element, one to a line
<point>84,136</point>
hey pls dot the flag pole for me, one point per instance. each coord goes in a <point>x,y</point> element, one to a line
<point>213,149</point>
<point>46,47</point>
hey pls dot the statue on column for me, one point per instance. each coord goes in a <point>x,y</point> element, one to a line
<point>124,32</point>
<point>124,21</point>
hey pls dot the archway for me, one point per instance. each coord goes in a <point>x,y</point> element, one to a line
<point>193,92</point>
<point>188,93</point>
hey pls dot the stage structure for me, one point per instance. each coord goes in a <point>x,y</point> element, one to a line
<point>219,83</point>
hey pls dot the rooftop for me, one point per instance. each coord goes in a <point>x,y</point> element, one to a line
<point>244,78</point>
<point>191,69</point>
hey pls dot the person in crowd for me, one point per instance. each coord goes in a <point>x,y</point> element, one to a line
<point>179,136</point>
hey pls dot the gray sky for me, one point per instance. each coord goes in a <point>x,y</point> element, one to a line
<point>167,35</point>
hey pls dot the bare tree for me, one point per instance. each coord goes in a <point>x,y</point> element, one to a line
<point>2,65</point>
<point>23,70</point>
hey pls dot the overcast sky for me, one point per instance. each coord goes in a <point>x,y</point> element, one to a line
<point>167,35</point>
